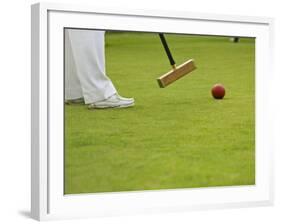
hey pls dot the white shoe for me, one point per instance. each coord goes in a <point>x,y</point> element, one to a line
<point>115,101</point>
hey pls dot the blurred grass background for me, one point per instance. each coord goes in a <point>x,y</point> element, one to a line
<point>176,137</point>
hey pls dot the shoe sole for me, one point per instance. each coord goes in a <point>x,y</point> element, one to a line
<point>111,107</point>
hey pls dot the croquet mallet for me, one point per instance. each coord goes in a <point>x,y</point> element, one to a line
<point>178,71</point>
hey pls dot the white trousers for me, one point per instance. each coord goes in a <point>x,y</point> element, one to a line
<point>85,66</point>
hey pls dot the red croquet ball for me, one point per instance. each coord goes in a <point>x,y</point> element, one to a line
<point>218,91</point>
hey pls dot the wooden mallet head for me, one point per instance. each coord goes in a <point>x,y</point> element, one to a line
<point>177,73</point>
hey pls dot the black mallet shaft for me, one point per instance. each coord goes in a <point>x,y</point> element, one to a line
<point>168,52</point>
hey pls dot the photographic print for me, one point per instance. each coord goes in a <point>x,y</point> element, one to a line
<point>149,111</point>
<point>139,111</point>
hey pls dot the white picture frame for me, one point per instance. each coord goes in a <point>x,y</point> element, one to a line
<point>48,201</point>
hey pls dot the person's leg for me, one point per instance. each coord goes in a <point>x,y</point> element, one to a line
<point>88,52</point>
<point>73,90</point>
<point>236,39</point>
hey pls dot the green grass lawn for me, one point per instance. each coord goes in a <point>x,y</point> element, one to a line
<point>176,137</point>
